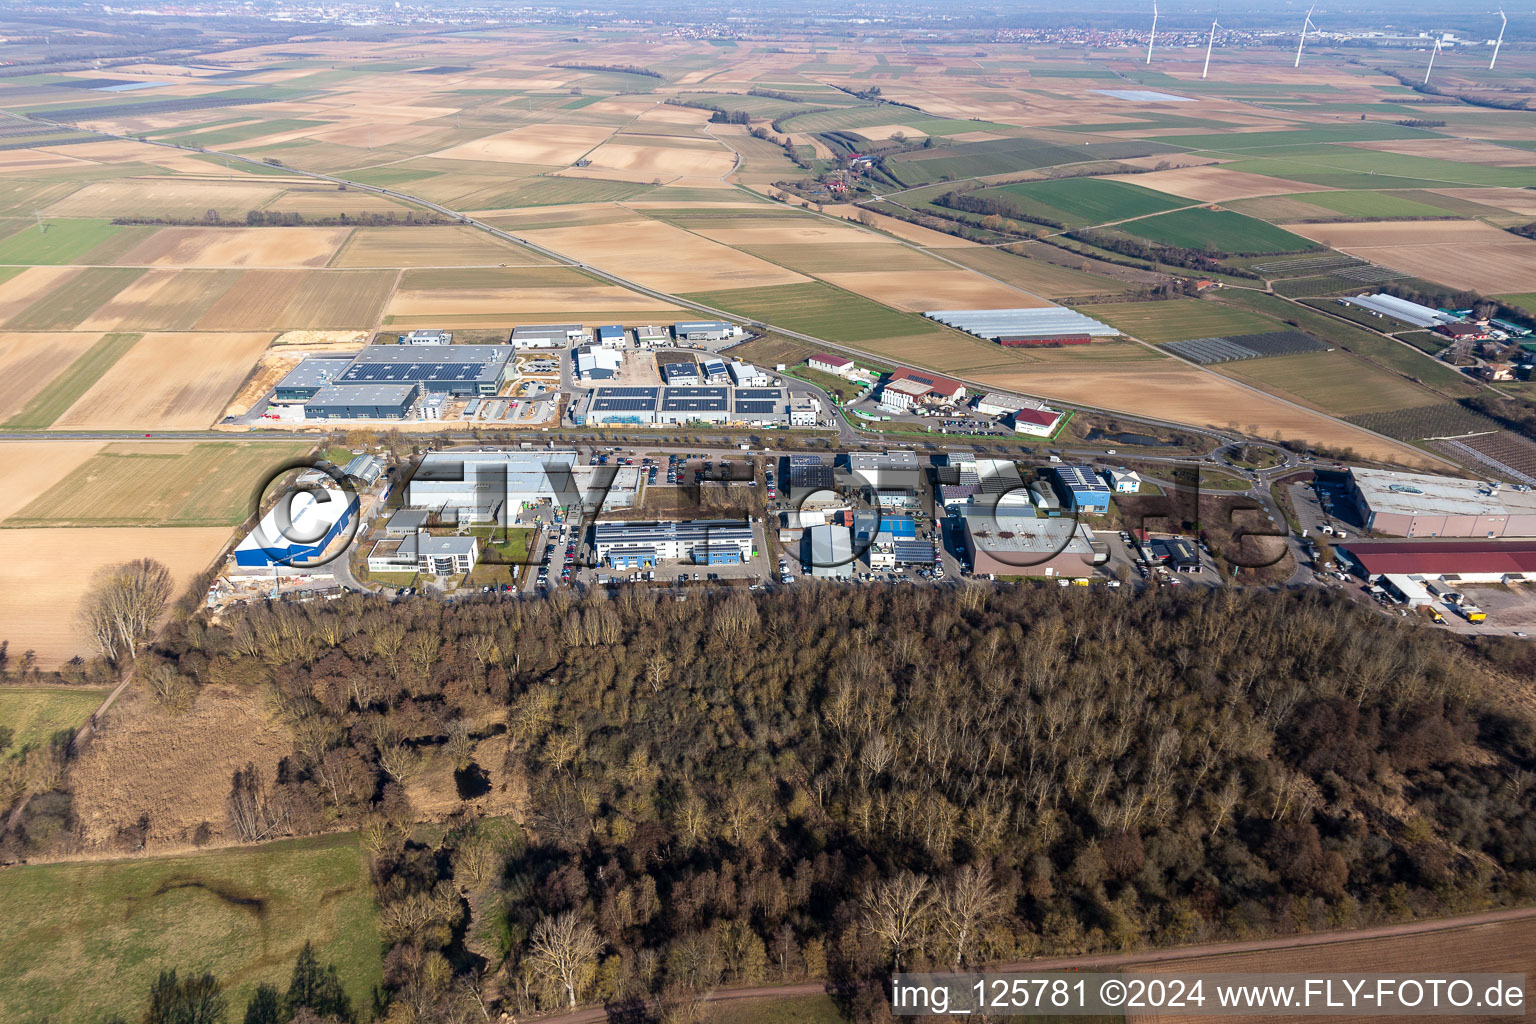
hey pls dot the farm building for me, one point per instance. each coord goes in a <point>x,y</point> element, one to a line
<point>1028,323</point>
<point>1035,422</point>
<point>535,336</point>
<point>611,336</point>
<point>593,363</point>
<point>461,370</point>
<point>1123,481</point>
<point>830,551</point>
<point>680,373</point>
<point>1009,540</point>
<point>1454,561</point>
<point>1401,309</point>
<point>1420,505</point>
<point>745,375</point>
<point>906,388</point>
<point>362,402</point>
<point>1081,489</point>
<point>427,338</point>
<point>839,365</point>
<point>702,541</point>
<point>310,376</point>
<point>297,530</point>
<point>703,330</point>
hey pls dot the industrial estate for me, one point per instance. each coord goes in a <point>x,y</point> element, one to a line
<point>688,515</point>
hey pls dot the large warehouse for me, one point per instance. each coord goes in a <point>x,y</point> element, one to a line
<point>484,483</point>
<point>1009,541</point>
<point>362,402</point>
<point>1420,505</point>
<point>466,371</point>
<point>298,530</point>
<point>1461,561</point>
<point>310,376</point>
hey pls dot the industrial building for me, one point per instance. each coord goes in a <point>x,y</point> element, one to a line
<point>1038,325</point>
<point>298,529</point>
<point>420,552</point>
<point>464,371</point>
<point>427,338</point>
<point>884,539</point>
<point>680,373</point>
<point>314,373</point>
<point>536,336</point>
<point>714,371</point>
<point>362,402</point>
<point>629,406</point>
<point>1011,540</point>
<point>486,485</point>
<point>809,473</point>
<point>651,336</point>
<point>760,407</point>
<point>1042,340</point>
<point>694,405</point>
<point>1455,561</point>
<point>406,521</point>
<point>702,541</point>
<point>593,363</point>
<point>1035,422</point>
<point>703,330</point>
<point>745,375</point>
<point>365,469</point>
<point>829,551</point>
<point>907,388</point>
<point>1421,505</point>
<point>838,365</point>
<point>611,336</point>
<point>1080,488</point>
<point>995,403</point>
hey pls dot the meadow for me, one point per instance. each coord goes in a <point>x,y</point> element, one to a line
<point>1179,320</point>
<point>60,241</point>
<point>1335,382</point>
<point>1078,202</point>
<point>1218,229</point>
<point>35,713</point>
<point>87,938</point>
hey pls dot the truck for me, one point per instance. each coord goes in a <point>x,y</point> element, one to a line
<point>1471,612</point>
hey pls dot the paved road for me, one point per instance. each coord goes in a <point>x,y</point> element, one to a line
<point>1454,929</point>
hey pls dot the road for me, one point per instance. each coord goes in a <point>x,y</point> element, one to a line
<point>1451,926</point>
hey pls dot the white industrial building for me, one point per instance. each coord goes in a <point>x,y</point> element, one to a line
<point>593,363</point>
<point>701,541</point>
<point>1123,481</point>
<point>427,338</point>
<point>704,330</point>
<point>745,375</point>
<point>538,336</point>
<point>423,553</point>
<point>493,486</point>
<point>831,551</point>
<point>839,365</point>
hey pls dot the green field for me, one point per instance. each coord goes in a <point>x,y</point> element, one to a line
<point>1078,202</point>
<point>819,310</point>
<point>1218,229</point>
<point>1335,382</point>
<point>1526,301</point>
<point>550,192</point>
<point>1179,320</point>
<point>86,939</point>
<point>61,241</point>
<point>1346,168</point>
<point>35,713</point>
<point>208,484</point>
<point>1245,142</point>
<point>62,392</point>
<point>82,295</point>
<point>1004,156</point>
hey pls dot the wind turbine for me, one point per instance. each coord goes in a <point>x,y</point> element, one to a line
<point>1504,23</point>
<point>1210,43</point>
<point>1432,59</point>
<point>1153,36</point>
<point>1303,40</point>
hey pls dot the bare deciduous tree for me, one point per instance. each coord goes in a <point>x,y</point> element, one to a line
<point>966,906</point>
<point>121,610</point>
<point>251,812</point>
<point>564,950</point>
<point>897,910</point>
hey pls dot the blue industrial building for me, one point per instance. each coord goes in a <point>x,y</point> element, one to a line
<point>1081,488</point>
<point>312,524</point>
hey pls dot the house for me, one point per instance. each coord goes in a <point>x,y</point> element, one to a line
<point>831,364</point>
<point>1123,481</point>
<point>1036,422</point>
<point>1498,371</point>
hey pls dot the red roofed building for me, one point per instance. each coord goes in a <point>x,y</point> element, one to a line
<point>1041,340</point>
<point>1472,561</point>
<point>831,364</point>
<point>938,388</point>
<point>1035,422</point>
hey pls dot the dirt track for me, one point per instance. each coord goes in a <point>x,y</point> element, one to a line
<point>1101,961</point>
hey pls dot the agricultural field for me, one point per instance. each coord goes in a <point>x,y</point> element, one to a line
<point>60,241</point>
<point>1036,275</point>
<point>300,300</point>
<point>1079,202</point>
<point>1461,254</point>
<point>93,357</point>
<point>429,247</point>
<point>1334,382</point>
<point>195,484</point>
<point>68,307</point>
<point>1341,205</point>
<point>35,713</point>
<point>91,936</point>
<point>1179,320</point>
<point>236,247</point>
<point>821,311</point>
<point>145,389</point>
<point>1217,229</point>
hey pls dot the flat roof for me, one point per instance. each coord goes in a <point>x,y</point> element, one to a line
<point>700,399</point>
<point>1038,321</point>
<point>363,394</point>
<point>1423,494</point>
<point>1015,528</point>
<point>1443,557</point>
<point>315,372</point>
<point>1078,477</point>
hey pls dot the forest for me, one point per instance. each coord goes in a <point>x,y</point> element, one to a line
<point>831,782</point>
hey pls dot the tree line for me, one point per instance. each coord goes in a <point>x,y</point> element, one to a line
<point>832,782</point>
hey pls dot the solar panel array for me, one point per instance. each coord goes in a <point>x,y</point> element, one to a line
<point>756,407</point>
<point>694,400</point>
<point>1247,346</point>
<point>625,399</point>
